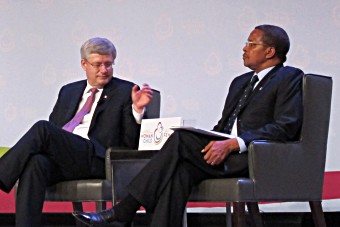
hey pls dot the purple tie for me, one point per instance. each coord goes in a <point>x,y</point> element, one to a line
<point>70,126</point>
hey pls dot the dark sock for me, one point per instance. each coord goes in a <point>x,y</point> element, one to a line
<point>126,209</point>
<point>4,188</point>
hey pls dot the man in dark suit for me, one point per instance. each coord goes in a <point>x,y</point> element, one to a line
<point>51,151</point>
<point>270,109</point>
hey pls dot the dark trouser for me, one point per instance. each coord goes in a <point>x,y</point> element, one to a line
<point>164,185</point>
<point>45,155</point>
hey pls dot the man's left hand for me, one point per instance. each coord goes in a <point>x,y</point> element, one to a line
<point>217,151</point>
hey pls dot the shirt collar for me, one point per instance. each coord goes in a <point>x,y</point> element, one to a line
<point>88,87</point>
<point>263,73</point>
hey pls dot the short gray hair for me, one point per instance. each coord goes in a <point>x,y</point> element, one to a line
<point>98,45</point>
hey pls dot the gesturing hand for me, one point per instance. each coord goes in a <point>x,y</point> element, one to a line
<point>141,97</point>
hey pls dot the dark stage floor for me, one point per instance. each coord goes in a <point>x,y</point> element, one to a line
<point>194,220</point>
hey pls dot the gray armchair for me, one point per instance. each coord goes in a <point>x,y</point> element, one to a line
<point>94,190</point>
<point>291,171</point>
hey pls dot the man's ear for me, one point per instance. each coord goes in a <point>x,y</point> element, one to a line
<point>270,52</point>
<point>83,64</point>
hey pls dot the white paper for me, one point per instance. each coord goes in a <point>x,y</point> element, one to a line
<point>202,131</point>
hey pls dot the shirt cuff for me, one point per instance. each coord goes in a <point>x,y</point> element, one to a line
<point>138,116</point>
<point>241,144</point>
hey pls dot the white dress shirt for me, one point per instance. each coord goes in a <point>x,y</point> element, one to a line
<point>83,128</point>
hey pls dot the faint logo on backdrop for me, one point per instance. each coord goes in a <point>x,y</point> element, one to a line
<point>191,104</point>
<point>44,4</point>
<point>7,40</point>
<point>213,64</point>
<point>301,56</point>
<point>164,27</point>
<point>3,80</point>
<point>49,75</point>
<point>194,27</point>
<point>33,40</point>
<point>246,17</point>
<point>80,32</point>
<point>170,105</point>
<point>4,6</point>
<point>110,33</point>
<point>152,70</point>
<point>70,75</point>
<point>124,69</point>
<point>329,57</point>
<point>10,112</point>
<point>336,14</point>
<point>279,18</point>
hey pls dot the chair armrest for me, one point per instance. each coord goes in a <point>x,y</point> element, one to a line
<point>268,159</point>
<point>283,168</point>
<point>113,153</point>
<point>125,165</point>
<point>108,165</point>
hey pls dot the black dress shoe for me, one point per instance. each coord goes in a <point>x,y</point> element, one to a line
<point>102,218</point>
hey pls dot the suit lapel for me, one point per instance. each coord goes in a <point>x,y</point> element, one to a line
<point>266,80</point>
<point>104,100</point>
<point>76,94</point>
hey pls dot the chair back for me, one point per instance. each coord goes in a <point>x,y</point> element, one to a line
<point>294,171</point>
<point>152,111</point>
<point>98,190</point>
<point>153,108</point>
<point>317,96</point>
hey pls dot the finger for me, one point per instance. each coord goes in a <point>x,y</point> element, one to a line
<point>207,156</point>
<point>145,85</point>
<point>135,88</point>
<point>207,148</point>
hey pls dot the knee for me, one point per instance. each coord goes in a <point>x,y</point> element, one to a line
<point>38,163</point>
<point>39,170</point>
<point>41,126</point>
<point>183,135</point>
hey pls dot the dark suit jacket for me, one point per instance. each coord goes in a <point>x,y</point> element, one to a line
<point>112,125</point>
<point>274,109</point>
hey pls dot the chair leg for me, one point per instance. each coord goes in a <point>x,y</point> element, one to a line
<point>254,212</point>
<point>317,213</point>
<point>185,218</point>
<point>239,216</point>
<point>228,215</point>
<point>77,206</point>
<point>100,205</point>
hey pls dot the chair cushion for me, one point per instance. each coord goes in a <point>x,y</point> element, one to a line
<point>224,190</point>
<point>80,191</point>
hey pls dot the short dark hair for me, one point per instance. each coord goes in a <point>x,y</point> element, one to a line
<point>276,37</point>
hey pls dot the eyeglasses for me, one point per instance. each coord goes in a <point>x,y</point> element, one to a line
<point>107,65</point>
<point>253,44</point>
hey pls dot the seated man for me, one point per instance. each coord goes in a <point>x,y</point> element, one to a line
<point>89,116</point>
<point>264,104</point>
